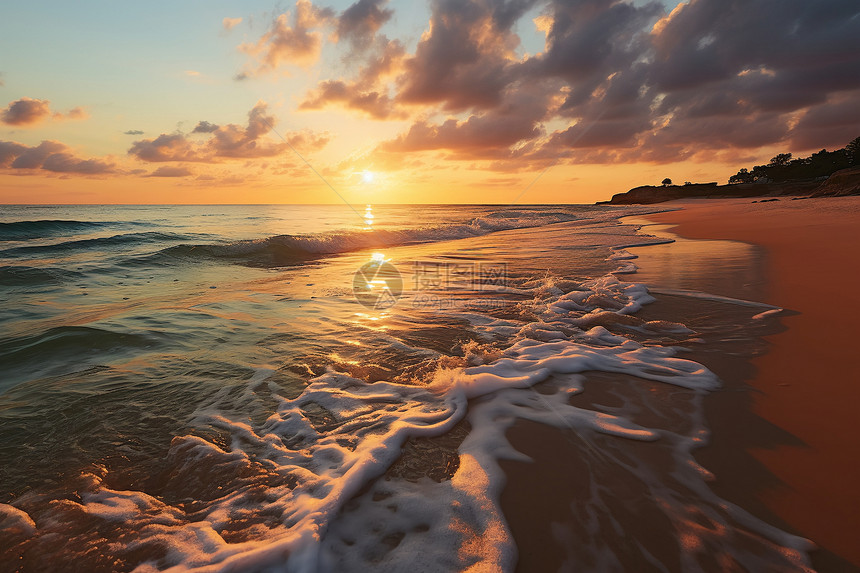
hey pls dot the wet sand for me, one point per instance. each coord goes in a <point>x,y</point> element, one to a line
<point>808,381</point>
<point>782,445</point>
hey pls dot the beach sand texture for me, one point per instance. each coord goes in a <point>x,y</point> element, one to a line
<point>809,379</point>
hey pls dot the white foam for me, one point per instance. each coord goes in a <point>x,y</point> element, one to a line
<point>765,314</point>
<point>620,254</point>
<point>708,296</point>
<point>323,507</point>
<point>14,520</point>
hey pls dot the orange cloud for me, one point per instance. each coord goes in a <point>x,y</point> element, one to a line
<point>28,111</point>
<point>25,111</point>
<point>229,141</point>
<point>369,91</point>
<point>297,42</point>
<point>74,113</point>
<point>171,171</point>
<point>50,156</point>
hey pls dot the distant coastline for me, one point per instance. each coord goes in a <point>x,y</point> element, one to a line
<point>841,183</point>
<point>822,174</point>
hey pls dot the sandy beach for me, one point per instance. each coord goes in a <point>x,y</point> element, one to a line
<point>806,381</point>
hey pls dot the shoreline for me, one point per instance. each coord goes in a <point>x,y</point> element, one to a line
<point>805,383</point>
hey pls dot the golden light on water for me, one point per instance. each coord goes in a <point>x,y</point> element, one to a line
<point>368,217</point>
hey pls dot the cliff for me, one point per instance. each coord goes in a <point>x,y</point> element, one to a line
<point>841,183</point>
<point>845,182</point>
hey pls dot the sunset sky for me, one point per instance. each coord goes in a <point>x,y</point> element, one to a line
<point>486,101</point>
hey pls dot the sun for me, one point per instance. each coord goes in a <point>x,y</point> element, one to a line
<point>367,176</point>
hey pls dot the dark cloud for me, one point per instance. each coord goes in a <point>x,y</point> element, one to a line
<point>33,157</point>
<point>166,147</point>
<point>830,125</point>
<point>617,80</point>
<point>359,23</point>
<point>635,83</point>
<point>133,132</point>
<point>9,150</point>
<point>171,171</point>
<point>68,163</point>
<point>229,141</point>
<point>25,111</point>
<point>204,127</point>
<point>465,61</point>
<point>600,133</point>
<point>49,156</point>
<point>489,134</point>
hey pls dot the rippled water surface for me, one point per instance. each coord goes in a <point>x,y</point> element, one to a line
<point>200,386</point>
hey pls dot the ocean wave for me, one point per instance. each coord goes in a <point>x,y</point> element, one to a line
<point>98,242</point>
<point>25,230</point>
<point>290,249</point>
<point>64,347</point>
<point>17,276</point>
<point>308,488</point>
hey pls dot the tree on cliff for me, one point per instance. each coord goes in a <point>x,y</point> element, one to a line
<point>742,176</point>
<point>852,150</point>
<point>666,182</point>
<point>780,160</point>
<point>783,167</point>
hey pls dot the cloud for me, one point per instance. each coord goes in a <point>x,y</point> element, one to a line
<point>465,59</point>
<point>230,23</point>
<point>204,127</point>
<point>754,66</point>
<point>74,113</point>
<point>377,105</point>
<point>832,123</point>
<point>25,111</point>
<point>360,22</point>
<point>293,40</point>
<point>308,140</point>
<point>133,132</point>
<point>28,111</point>
<point>166,147</point>
<point>171,171</point>
<point>9,151</point>
<point>49,156</point>
<point>631,82</point>
<point>68,163</point>
<point>234,141</point>
<point>33,157</point>
<point>369,91</point>
<point>487,134</point>
<point>228,141</point>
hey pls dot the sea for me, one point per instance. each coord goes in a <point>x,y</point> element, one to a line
<point>370,388</point>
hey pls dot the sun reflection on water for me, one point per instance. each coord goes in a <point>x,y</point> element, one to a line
<point>368,217</point>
